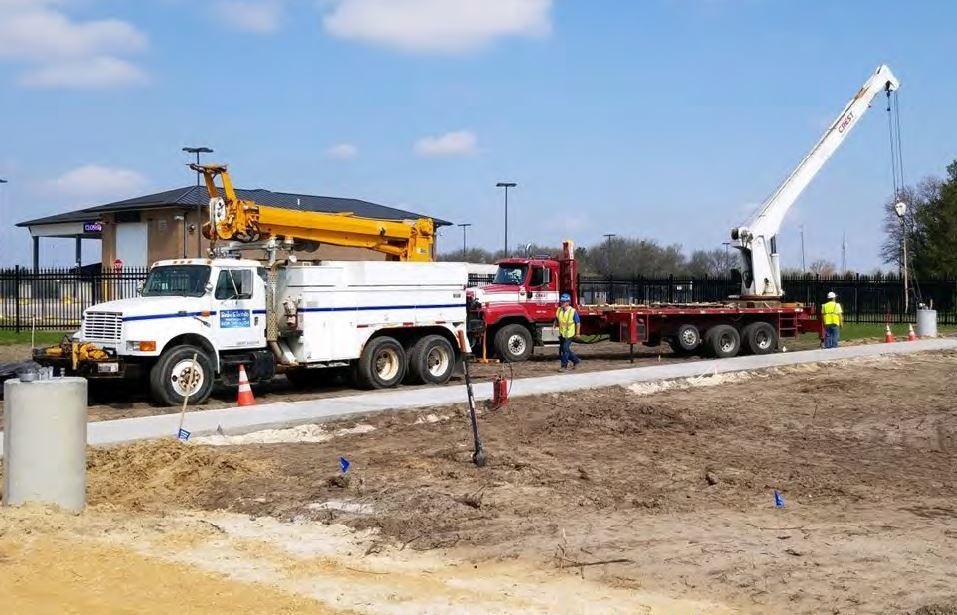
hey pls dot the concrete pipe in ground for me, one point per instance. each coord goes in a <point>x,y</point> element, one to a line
<point>44,442</point>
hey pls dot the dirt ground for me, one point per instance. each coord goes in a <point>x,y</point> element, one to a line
<point>605,501</point>
<point>119,400</point>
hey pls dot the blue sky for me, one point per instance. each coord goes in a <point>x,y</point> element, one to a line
<point>664,119</point>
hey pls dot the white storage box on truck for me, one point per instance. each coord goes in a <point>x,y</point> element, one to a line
<point>197,320</point>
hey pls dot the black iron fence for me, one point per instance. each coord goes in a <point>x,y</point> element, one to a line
<point>54,299</point>
<point>865,299</point>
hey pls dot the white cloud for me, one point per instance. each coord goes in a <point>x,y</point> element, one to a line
<point>343,151</point>
<point>457,143</point>
<point>102,72</point>
<point>436,26</point>
<point>256,16</point>
<point>60,51</point>
<point>95,181</point>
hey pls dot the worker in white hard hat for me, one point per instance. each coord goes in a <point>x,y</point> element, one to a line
<point>833,316</point>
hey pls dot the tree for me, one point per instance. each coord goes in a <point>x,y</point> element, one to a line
<point>822,267</point>
<point>717,262</point>
<point>930,227</point>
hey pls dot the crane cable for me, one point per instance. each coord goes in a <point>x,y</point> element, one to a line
<point>897,176</point>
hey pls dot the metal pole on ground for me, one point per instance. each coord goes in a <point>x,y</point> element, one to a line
<point>506,186</point>
<point>465,227</point>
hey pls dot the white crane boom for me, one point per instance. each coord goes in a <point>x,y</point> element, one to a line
<point>761,276</point>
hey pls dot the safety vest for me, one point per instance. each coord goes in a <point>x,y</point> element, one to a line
<point>566,322</point>
<point>832,313</point>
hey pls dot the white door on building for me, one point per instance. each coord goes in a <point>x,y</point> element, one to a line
<point>131,243</point>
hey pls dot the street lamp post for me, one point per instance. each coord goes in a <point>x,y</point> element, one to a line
<point>465,227</point>
<point>506,185</point>
<point>199,203</point>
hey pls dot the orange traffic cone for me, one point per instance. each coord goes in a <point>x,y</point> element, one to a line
<point>911,336</point>
<point>888,336</point>
<point>245,395</point>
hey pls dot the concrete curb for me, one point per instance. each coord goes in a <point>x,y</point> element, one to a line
<point>234,421</point>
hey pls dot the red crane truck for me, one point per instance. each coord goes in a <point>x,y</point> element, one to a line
<point>514,314</point>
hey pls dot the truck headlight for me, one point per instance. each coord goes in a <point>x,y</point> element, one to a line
<point>142,346</point>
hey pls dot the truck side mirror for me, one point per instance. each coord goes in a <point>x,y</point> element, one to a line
<point>546,277</point>
<point>209,287</point>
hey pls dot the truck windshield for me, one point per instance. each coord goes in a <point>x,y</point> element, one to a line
<point>511,274</point>
<point>177,281</point>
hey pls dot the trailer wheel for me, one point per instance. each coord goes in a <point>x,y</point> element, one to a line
<point>688,338</point>
<point>382,364</point>
<point>513,343</point>
<point>760,338</point>
<point>175,375</point>
<point>432,360</point>
<point>723,341</point>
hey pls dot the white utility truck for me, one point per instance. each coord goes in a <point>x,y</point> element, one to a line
<point>196,321</point>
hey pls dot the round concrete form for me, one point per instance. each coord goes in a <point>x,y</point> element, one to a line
<point>44,442</point>
<point>926,323</point>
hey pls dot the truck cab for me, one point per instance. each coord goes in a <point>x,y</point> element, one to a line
<point>193,320</point>
<point>514,311</point>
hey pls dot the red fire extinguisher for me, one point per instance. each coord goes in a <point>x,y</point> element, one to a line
<point>499,392</point>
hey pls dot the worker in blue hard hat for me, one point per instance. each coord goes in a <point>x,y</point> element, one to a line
<point>569,326</point>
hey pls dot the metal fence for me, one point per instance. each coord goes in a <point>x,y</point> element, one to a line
<point>54,299</point>
<point>865,299</point>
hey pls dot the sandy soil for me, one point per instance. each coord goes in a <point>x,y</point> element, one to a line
<point>606,501</point>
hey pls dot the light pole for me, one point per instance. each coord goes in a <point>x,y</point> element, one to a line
<point>803,262</point>
<point>465,227</point>
<point>900,209</point>
<point>506,185</point>
<point>199,203</point>
<point>608,237</point>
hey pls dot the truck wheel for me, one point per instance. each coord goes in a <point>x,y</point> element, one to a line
<point>723,341</point>
<point>688,338</point>
<point>760,338</point>
<point>382,364</point>
<point>432,360</point>
<point>513,343</point>
<point>175,375</point>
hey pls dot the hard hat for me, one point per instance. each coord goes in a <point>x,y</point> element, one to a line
<point>831,295</point>
<point>566,297</point>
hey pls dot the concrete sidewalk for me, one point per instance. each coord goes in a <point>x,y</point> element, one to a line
<point>287,414</point>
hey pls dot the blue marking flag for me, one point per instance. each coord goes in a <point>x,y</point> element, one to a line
<point>344,464</point>
<point>778,499</point>
<point>183,434</point>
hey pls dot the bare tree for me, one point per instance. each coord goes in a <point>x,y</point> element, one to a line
<point>822,267</point>
<point>918,199</point>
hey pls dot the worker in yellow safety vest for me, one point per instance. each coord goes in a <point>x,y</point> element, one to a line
<point>833,316</point>
<point>569,326</point>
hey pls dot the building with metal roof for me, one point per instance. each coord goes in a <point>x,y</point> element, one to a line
<point>138,231</point>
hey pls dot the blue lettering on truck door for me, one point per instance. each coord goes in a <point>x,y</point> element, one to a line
<point>233,319</point>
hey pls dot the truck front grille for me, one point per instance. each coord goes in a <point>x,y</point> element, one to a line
<point>103,326</point>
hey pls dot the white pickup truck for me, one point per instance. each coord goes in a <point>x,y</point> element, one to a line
<point>198,320</point>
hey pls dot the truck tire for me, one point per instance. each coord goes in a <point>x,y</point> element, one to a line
<point>513,343</point>
<point>688,338</point>
<point>432,360</point>
<point>382,364</point>
<point>723,341</point>
<point>171,375</point>
<point>760,338</point>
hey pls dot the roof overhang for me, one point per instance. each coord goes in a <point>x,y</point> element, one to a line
<point>63,229</point>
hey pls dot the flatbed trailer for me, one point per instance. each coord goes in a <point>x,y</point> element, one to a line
<point>515,314</point>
